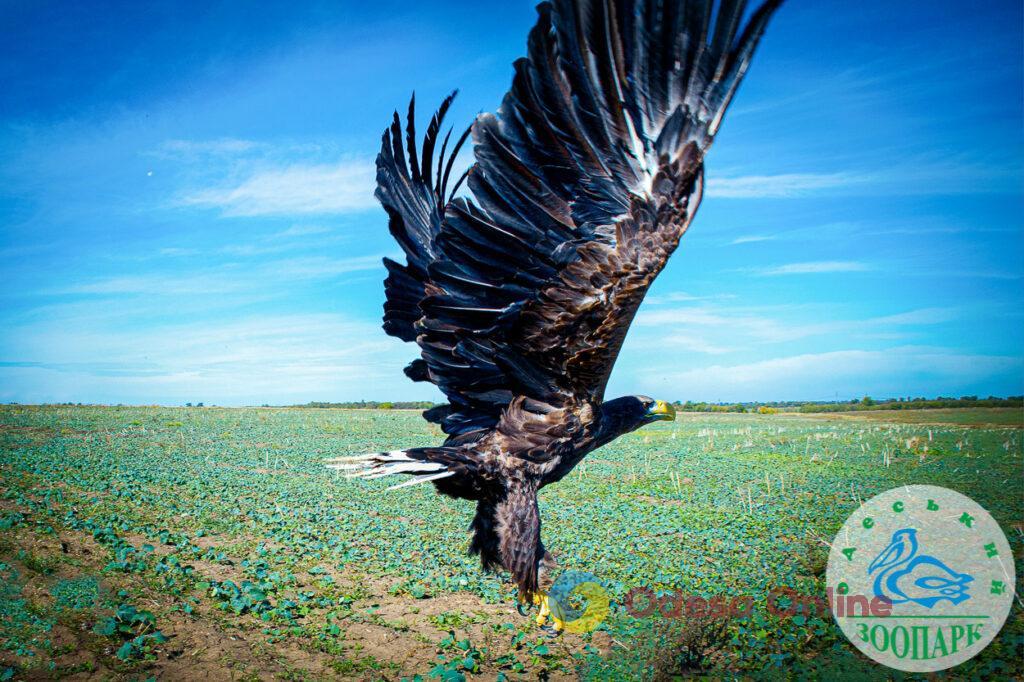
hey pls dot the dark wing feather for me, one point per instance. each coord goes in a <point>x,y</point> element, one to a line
<point>415,192</point>
<point>584,182</point>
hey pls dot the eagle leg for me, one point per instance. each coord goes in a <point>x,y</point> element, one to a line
<point>517,528</point>
<point>543,600</point>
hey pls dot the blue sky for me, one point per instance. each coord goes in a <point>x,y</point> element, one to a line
<point>186,208</point>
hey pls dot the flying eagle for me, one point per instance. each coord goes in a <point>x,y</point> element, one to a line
<point>520,298</point>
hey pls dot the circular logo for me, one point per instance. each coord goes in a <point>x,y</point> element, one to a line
<point>578,600</point>
<point>920,578</point>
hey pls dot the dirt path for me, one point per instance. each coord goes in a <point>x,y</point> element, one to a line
<point>385,636</point>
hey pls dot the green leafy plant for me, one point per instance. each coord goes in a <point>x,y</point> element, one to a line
<point>136,630</point>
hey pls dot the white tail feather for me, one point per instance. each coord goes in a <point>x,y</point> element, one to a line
<point>380,464</point>
<point>423,479</point>
<point>394,455</point>
<point>416,468</point>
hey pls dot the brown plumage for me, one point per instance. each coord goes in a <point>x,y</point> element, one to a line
<point>520,299</point>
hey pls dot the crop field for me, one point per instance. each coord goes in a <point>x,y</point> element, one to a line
<point>977,417</point>
<point>209,543</point>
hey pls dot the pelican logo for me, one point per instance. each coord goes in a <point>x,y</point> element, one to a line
<point>931,572</point>
<point>903,575</point>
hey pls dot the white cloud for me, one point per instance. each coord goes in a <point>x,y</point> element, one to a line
<point>690,315</point>
<point>693,344</point>
<point>842,230</point>
<point>206,283</point>
<point>301,231</point>
<point>285,240</point>
<point>919,316</point>
<point>844,373</point>
<point>297,189</point>
<point>783,185</point>
<point>254,249</point>
<point>682,296</point>
<point>736,324</point>
<point>227,278</point>
<point>751,239</point>
<point>225,146</point>
<point>323,267</point>
<point>178,251</point>
<point>920,175</point>
<point>814,267</point>
<point>272,358</point>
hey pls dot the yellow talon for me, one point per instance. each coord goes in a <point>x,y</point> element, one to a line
<point>598,606</point>
<point>541,600</point>
<point>544,612</point>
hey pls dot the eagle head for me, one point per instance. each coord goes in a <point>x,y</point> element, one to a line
<point>657,410</point>
<point>630,412</point>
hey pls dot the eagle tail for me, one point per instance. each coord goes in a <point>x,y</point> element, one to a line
<point>424,464</point>
<point>485,540</point>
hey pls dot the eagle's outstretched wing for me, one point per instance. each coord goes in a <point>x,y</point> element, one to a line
<point>584,182</point>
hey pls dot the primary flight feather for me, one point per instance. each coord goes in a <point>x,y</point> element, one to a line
<point>519,299</point>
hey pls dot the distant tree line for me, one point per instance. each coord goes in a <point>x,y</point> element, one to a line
<point>375,405</point>
<point>771,407</point>
<point>689,406</point>
<point>867,403</point>
<point>855,405</point>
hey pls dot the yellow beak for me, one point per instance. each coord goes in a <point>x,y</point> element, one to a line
<point>662,411</point>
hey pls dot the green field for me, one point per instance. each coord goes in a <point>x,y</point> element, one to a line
<point>177,543</point>
<point>978,417</point>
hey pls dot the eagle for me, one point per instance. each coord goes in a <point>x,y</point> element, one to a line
<point>520,297</point>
